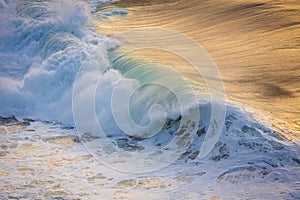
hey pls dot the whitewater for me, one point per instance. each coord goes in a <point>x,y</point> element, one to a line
<point>46,48</point>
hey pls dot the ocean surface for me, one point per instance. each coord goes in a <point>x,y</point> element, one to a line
<point>81,118</point>
<point>255,45</point>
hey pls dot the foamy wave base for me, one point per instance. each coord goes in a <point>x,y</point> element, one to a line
<point>43,45</point>
<point>44,159</point>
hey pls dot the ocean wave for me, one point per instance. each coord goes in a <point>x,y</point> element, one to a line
<point>48,46</point>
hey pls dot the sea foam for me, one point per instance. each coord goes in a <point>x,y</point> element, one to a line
<point>43,45</point>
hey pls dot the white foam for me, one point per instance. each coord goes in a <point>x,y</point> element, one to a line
<point>43,44</point>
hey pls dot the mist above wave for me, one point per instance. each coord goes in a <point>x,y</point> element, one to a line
<point>43,44</point>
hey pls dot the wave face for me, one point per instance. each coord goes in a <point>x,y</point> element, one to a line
<point>45,44</point>
<point>255,45</point>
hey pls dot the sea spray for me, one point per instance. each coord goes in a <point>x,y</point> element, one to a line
<point>43,44</point>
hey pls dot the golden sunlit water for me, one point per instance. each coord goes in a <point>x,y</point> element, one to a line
<point>255,45</point>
